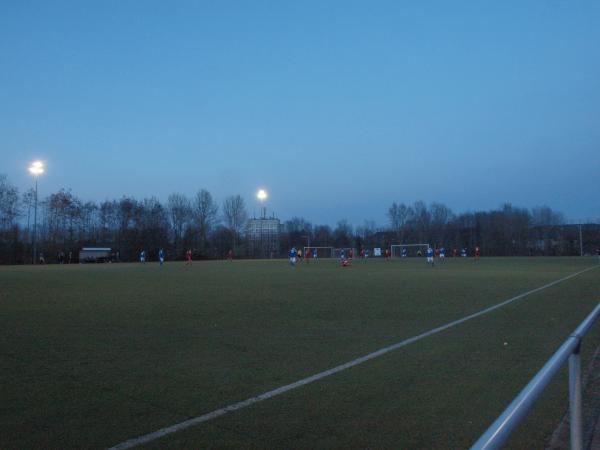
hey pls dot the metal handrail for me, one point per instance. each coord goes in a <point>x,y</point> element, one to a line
<point>499,432</point>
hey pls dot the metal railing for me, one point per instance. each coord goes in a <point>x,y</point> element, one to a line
<point>499,432</point>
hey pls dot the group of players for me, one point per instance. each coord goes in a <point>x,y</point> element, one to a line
<point>188,256</point>
<point>441,254</point>
<point>161,256</point>
<point>296,255</point>
<point>346,257</point>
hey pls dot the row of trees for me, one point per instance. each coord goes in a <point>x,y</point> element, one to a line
<point>507,231</point>
<point>67,223</point>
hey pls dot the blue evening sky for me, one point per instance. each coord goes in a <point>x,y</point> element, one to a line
<point>336,108</point>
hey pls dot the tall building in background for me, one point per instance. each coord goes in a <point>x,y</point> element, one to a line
<point>262,236</point>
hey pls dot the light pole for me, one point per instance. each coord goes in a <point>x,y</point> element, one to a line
<point>262,196</point>
<point>36,169</point>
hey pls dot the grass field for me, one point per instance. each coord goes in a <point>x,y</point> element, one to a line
<point>92,355</point>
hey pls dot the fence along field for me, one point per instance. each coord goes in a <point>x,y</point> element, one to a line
<point>96,355</point>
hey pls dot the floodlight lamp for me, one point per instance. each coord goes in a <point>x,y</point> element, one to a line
<point>36,168</point>
<point>262,195</point>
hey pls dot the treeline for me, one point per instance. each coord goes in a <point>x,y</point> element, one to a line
<point>507,231</point>
<point>65,224</point>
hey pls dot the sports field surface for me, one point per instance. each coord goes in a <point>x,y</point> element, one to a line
<point>95,355</point>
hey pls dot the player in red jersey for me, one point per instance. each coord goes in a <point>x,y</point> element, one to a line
<point>477,252</point>
<point>350,254</point>
<point>455,252</point>
<point>188,257</point>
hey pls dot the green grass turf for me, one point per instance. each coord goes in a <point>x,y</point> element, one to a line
<point>95,354</point>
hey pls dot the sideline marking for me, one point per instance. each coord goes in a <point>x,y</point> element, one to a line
<point>130,443</point>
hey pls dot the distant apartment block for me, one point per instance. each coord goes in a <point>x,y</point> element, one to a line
<point>262,236</point>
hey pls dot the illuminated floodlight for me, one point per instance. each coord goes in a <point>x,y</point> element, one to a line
<point>261,195</point>
<point>36,168</point>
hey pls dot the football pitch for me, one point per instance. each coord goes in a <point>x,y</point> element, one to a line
<point>95,355</point>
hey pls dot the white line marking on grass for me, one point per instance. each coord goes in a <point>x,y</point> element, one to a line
<point>288,387</point>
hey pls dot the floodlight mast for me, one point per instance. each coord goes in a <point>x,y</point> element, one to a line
<point>36,169</point>
<point>262,196</point>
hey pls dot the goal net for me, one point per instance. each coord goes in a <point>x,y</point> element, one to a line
<point>322,252</point>
<point>406,250</point>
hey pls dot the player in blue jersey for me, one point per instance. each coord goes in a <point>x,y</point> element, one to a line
<point>463,252</point>
<point>315,255</point>
<point>442,253</point>
<point>404,252</point>
<point>430,256</point>
<point>161,256</point>
<point>143,256</point>
<point>293,255</point>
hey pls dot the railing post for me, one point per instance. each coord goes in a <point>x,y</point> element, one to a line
<point>575,399</point>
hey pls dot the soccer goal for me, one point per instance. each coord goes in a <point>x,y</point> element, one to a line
<point>322,252</point>
<point>405,250</point>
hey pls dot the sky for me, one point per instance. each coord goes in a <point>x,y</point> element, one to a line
<point>338,109</point>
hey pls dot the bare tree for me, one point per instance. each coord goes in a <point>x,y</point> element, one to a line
<point>400,215</point>
<point>89,216</point>
<point>298,232</point>
<point>441,215</point>
<point>545,216</point>
<point>298,225</point>
<point>108,217</point>
<point>180,211</point>
<point>9,203</point>
<point>322,236</point>
<point>234,212</point>
<point>343,234</point>
<point>422,220</point>
<point>205,212</point>
<point>59,209</point>
<point>365,234</point>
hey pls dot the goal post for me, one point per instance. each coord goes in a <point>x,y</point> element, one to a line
<point>404,250</point>
<point>322,252</point>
